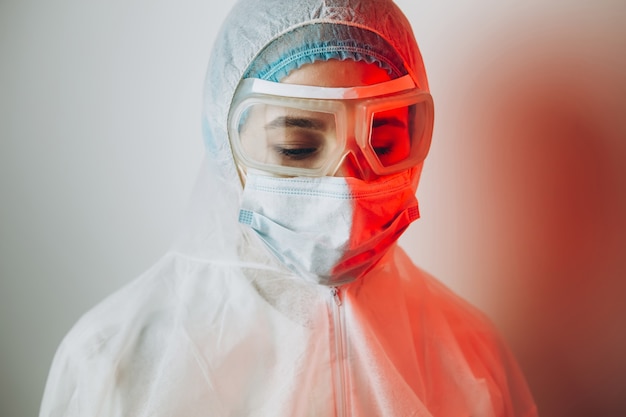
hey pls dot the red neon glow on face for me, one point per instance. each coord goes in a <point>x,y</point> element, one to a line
<point>391,137</point>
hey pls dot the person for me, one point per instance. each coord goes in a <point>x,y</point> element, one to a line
<point>287,294</point>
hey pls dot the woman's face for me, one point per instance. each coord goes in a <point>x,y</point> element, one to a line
<point>304,138</point>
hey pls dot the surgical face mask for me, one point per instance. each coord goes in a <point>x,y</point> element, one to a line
<point>296,130</point>
<point>329,230</point>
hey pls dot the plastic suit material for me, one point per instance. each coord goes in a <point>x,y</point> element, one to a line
<point>221,327</point>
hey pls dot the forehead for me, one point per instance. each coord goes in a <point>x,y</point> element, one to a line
<point>335,73</point>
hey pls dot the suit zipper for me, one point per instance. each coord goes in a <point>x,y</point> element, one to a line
<point>340,352</point>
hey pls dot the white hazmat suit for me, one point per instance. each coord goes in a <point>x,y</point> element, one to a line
<point>220,326</point>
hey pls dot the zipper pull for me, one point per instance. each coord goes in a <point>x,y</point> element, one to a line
<point>334,291</point>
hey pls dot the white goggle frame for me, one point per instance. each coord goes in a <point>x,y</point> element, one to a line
<point>354,109</point>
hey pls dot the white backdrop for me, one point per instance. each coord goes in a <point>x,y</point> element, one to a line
<point>100,142</point>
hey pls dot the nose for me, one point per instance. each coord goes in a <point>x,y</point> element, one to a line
<point>351,166</point>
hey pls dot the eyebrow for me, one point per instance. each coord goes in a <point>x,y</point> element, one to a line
<point>392,121</point>
<point>302,122</point>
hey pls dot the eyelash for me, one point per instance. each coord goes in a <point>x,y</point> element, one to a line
<point>382,150</point>
<point>295,153</point>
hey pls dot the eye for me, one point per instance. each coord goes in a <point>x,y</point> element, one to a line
<point>296,154</point>
<point>383,150</point>
<point>384,139</point>
<point>295,147</point>
<point>390,138</point>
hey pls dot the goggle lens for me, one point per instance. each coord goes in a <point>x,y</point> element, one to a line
<point>399,135</point>
<point>281,136</point>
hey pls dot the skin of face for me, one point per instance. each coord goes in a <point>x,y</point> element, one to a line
<point>335,73</point>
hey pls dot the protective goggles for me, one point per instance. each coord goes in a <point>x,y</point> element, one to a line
<point>297,130</point>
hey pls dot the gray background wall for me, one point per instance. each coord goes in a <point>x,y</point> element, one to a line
<point>522,197</point>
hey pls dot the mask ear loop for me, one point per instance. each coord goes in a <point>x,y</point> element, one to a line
<point>241,172</point>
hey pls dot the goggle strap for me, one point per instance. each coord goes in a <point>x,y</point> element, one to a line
<point>255,85</point>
